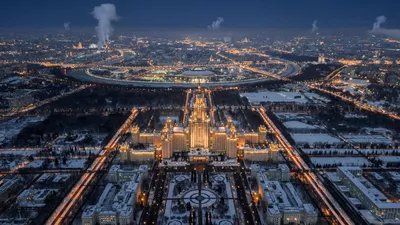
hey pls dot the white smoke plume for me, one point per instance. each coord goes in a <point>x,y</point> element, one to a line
<point>379,21</point>
<point>314,26</point>
<point>66,26</point>
<point>216,24</point>
<point>104,13</point>
<point>376,29</point>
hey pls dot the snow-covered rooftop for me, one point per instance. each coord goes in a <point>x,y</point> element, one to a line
<point>315,138</point>
<point>299,125</point>
<point>377,139</point>
<point>198,73</point>
<point>269,96</point>
<point>374,195</point>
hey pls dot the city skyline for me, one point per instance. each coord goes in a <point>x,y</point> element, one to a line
<point>200,113</point>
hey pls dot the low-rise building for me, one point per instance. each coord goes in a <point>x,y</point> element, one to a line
<point>282,173</point>
<point>370,197</point>
<point>283,204</point>
<point>117,174</point>
<point>34,198</point>
<point>6,187</point>
<point>117,203</point>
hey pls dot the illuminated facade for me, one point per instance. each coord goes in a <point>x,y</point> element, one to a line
<point>321,59</point>
<point>116,205</point>
<point>200,138</point>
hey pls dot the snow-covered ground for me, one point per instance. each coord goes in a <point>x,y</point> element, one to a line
<point>11,165</point>
<point>15,80</point>
<point>293,116</point>
<point>181,189</point>
<point>11,128</point>
<point>339,151</point>
<point>229,162</point>
<point>63,142</point>
<point>297,125</point>
<point>169,163</point>
<point>312,139</point>
<point>389,159</point>
<point>18,152</point>
<point>316,98</point>
<point>93,150</point>
<point>73,164</point>
<point>377,139</point>
<point>35,164</point>
<point>345,161</point>
<point>354,116</point>
<point>269,96</point>
<point>70,164</point>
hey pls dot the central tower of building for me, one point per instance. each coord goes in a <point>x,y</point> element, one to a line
<point>199,123</point>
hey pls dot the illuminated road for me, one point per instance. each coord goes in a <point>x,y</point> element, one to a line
<point>358,103</point>
<point>186,110</point>
<point>46,101</point>
<point>291,69</point>
<point>333,207</point>
<point>102,65</point>
<point>71,200</point>
<point>211,106</point>
<point>334,73</point>
<point>102,80</point>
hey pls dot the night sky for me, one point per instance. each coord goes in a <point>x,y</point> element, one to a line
<point>200,13</point>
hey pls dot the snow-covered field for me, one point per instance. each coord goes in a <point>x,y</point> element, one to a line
<point>269,96</point>
<point>389,159</point>
<point>35,164</point>
<point>181,188</point>
<point>15,80</point>
<point>311,139</point>
<point>345,161</point>
<point>70,164</point>
<point>63,141</point>
<point>18,152</point>
<point>93,150</point>
<point>339,151</point>
<point>11,128</point>
<point>10,165</point>
<point>296,125</point>
<point>74,163</point>
<point>377,139</point>
<point>293,116</point>
<point>354,116</point>
<point>311,151</point>
<point>316,98</point>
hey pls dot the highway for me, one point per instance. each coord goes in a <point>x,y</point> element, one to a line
<point>288,71</point>
<point>333,207</point>
<point>84,77</point>
<point>46,101</point>
<point>334,73</point>
<point>186,108</point>
<point>329,77</point>
<point>358,103</point>
<point>70,201</point>
<point>98,64</point>
<point>291,70</point>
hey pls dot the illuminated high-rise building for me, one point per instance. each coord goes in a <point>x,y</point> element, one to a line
<point>199,123</point>
<point>201,138</point>
<point>321,59</point>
